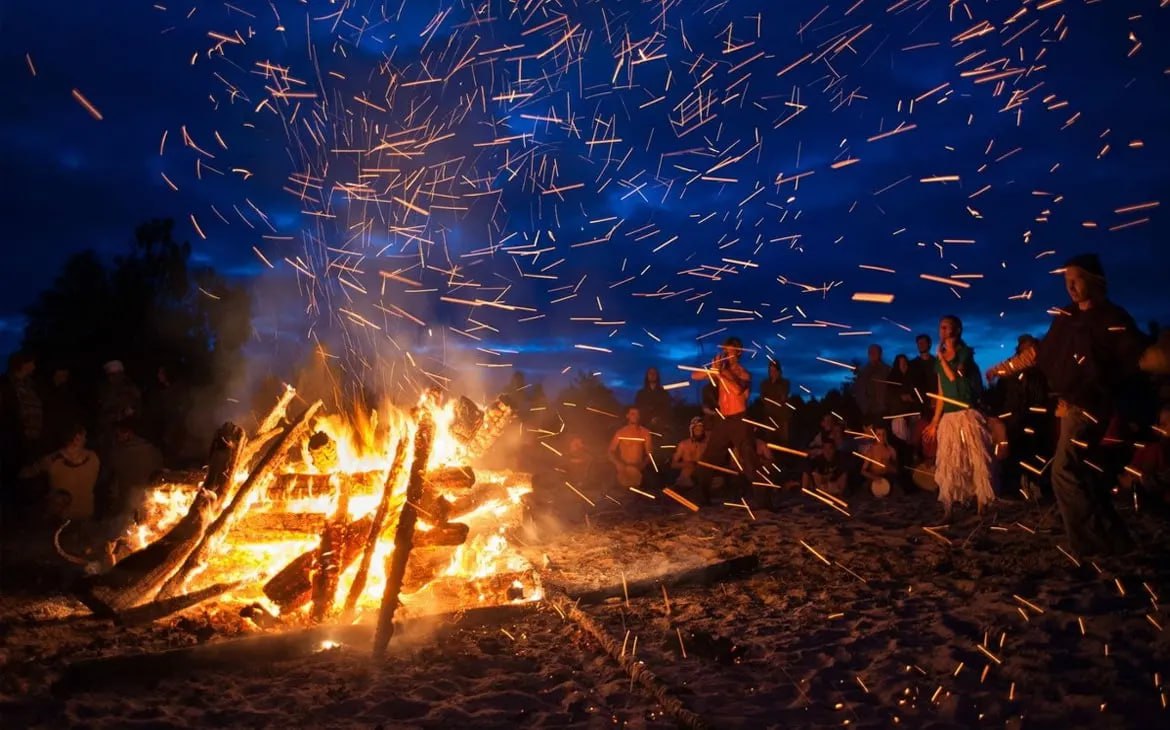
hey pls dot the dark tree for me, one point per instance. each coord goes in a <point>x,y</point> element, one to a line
<point>589,409</point>
<point>149,307</point>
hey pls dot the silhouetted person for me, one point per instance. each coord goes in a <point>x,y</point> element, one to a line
<point>870,388</point>
<point>774,392</point>
<point>133,462</point>
<point>118,398</point>
<point>922,375</point>
<point>653,402</point>
<point>63,407</point>
<point>1092,350</point>
<point>164,414</point>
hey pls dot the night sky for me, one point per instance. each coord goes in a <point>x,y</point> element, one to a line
<point>602,185</point>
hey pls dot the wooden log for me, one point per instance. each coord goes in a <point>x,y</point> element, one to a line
<point>377,525</point>
<point>447,534</point>
<point>156,610</point>
<point>254,525</point>
<point>467,421</point>
<point>403,536</point>
<point>278,412</point>
<point>251,653</point>
<point>701,575</point>
<point>300,485</point>
<point>230,511</point>
<point>139,576</point>
<point>495,420</point>
<point>292,587</point>
<point>635,668</point>
<point>449,479</point>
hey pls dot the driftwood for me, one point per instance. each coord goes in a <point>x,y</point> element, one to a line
<point>247,655</point>
<point>139,576</point>
<point>635,668</point>
<point>403,536</point>
<point>377,525</point>
<point>231,511</point>
<point>703,575</point>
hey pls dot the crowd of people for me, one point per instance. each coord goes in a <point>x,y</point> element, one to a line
<point>84,457</point>
<point>1066,415</point>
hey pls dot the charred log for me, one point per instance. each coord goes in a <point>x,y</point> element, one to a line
<point>403,537</point>
<point>497,418</point>
<point>328,569</point>
<point>447,534</point>
<point>162,608</point>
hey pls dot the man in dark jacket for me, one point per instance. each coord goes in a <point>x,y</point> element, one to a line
<point>1091,352</point>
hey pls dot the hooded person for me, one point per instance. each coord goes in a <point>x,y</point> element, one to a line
<point>1091,354</point>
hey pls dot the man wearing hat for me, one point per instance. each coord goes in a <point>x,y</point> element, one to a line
<point>728,431</point>
<point>1091,351</point>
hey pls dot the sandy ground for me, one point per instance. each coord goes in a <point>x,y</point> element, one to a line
<point>986,623</point>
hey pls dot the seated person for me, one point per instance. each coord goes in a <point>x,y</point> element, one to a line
<point>72,472</point>
<point>688,452</point>
<point>1149,470</point>
<point>879,468</point>
<point>826,470</point>
<point>629,450</point>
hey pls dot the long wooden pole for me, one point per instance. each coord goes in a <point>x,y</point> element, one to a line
<point>404,535</point>
<point>359,580</point>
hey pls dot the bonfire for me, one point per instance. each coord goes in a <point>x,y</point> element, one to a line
<point>317,518</point>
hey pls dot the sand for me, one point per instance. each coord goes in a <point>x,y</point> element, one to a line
<point>899,627</point>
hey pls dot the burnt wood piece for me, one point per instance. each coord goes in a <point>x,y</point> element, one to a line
<point>138,577</point>
<point>276,415</point>
<point>377,525</point>
<point>403,536</point>
<point>160,609</point>
<point>232,505</point>
<point>270,526</point>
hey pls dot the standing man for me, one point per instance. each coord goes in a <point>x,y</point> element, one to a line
<point>729,430</point>
<point>1091,350</point>
<point>774,392</point>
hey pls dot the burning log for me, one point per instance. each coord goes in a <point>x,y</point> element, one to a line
<point>292,587</point>
<point>497,418</point>
<point>403,536</point>
<point>449,479</point>
<point>328,571</point>
<point>468,420</point>
<point>276,415</point>
<point>139,576</point>
<point>274,526</point>
<point>377,524</point>
<point>213,535</point>
<point>444,535</point>
<point>299,485</point>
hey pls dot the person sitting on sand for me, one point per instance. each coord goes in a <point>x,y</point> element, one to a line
<point>72,473</point>
<point>1149,470</point>
<point>879,468</point>
<point>688,452</point>
<point>629,450</point>
<point>826,470</point>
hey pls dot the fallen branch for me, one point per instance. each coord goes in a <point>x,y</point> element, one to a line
<point>637,670</point>
<point>162,608</point>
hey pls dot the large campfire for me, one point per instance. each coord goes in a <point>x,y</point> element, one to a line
<point>319,518</point>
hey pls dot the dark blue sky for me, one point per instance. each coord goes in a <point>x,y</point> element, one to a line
<point>616,179</point>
